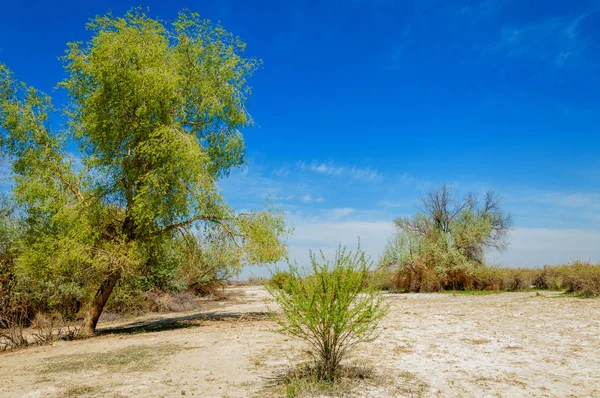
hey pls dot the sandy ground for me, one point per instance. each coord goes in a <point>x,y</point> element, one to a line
<point>439,345</point>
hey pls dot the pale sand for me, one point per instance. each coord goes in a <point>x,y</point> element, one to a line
<point>439,345</point>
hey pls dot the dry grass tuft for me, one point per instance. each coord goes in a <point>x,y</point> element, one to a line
<point>79,391</point>
<point>404,349</point>
<point>477,341</point>
<point>305,380</point>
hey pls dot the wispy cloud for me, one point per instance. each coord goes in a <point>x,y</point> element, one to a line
<point>288,197</point>
<point>341,212</point>
<point>558,39</point>
<point>309,199</point>
<point>306,198</point>
<point>581,200</point>
<point>331,169</point>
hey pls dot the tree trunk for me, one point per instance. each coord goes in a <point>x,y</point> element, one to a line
<point>97,305</point>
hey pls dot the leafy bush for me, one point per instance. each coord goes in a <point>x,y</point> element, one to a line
<point>582,279</point>
<point>332,308</point>
<point>280,280</point>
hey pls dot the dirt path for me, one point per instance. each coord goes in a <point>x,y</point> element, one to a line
<point>501,345</point>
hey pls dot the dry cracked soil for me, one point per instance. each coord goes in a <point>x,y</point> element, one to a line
<point>430,345</point>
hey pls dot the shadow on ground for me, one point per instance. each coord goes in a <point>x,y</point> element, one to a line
<point>180,322</point>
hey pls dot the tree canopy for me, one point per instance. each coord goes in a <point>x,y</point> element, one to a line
<point>156,111</point>
<point>448,238</point>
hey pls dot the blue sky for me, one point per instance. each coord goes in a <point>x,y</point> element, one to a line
<point>362,106</point>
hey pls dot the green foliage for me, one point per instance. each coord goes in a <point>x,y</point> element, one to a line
<point>280,279</point>
<point>443,246</point>
<point>156,111</point>
<point>156,104</point>
<point>332,308</point>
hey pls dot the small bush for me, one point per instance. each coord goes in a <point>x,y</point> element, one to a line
<point>582,279</point>
<point>488,278</point>
<point>383,280</point>
<point>332,308</point>
<point>124,302</point>
<point>14,310</point>
<point>280,279</point>
<point>158,301</point>
<point>416,278</point>
<point>13,319</point>
<point>549,278</point>
<point>516,279</point>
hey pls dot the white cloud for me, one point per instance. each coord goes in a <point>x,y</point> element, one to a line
<point>341,212</point>
<point>331,169</point>
<point>306,198</point>
<point>325,232</point>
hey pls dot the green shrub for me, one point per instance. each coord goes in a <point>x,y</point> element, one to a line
<point>280,279</point>
<point>332,308</point>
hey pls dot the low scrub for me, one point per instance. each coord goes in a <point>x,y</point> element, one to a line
<point>582,279</point>
<point>578,278</point>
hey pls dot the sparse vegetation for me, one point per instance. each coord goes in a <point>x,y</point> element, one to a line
<point>134,358</point>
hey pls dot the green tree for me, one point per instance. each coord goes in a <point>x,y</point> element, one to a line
<point>156,111</point>
<point>332,308</point>
<point>447,240</point>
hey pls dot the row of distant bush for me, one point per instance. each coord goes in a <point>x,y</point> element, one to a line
<point>579,278</point>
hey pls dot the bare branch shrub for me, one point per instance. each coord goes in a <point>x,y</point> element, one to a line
<point>13,318</point>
